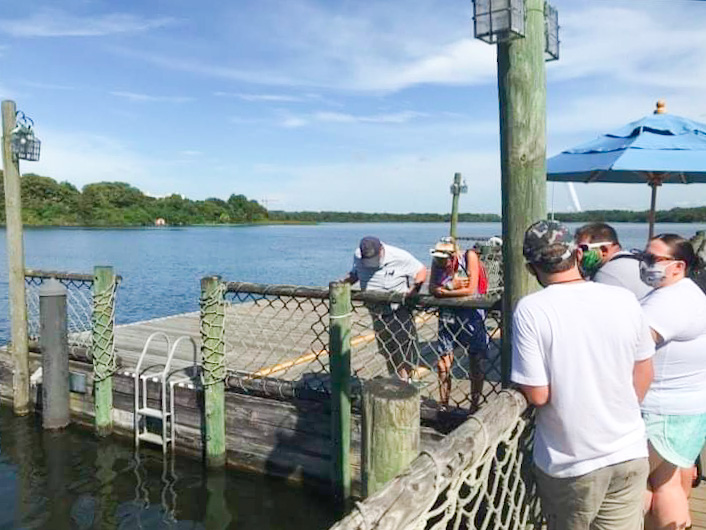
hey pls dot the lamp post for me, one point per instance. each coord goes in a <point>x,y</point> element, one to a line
<point>526,31</point>
<point>18,142</point>
<point>457,188</point>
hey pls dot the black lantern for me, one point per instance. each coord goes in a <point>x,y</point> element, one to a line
<point>551,32</point>
<point>498,20</point>
<point>25,145</point>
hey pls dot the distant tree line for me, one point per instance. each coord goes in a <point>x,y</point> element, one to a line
<point>46,202</point>
<point>362,217</point>
<point>51,203</point>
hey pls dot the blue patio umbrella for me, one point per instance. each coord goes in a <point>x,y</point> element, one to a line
<point>658,149</point>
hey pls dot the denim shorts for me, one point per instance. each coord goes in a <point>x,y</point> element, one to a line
<point>464,328</point>
<point>677,439</point>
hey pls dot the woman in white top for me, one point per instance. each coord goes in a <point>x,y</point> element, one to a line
<point>674,408</point>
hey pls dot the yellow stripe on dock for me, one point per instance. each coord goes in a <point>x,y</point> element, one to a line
<point>308,357</point>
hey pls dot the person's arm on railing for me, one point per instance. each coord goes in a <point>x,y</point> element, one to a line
<point>536,395</point>
<point>351,277</point>
<point>642,375</point>
<point>419,278</point>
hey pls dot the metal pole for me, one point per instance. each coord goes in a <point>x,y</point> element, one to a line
<point>340,365</point>
<point>54,345</point>
<point>522,96</point>
<point>653,206</point>
<point>103,347</point>
<point>213,354</point>
<point>15,264</point>
<point>456,191</point>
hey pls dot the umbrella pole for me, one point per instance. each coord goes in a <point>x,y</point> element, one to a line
<point>653,206</point>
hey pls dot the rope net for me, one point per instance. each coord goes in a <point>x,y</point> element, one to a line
<point>478,477</point>
<point>103,348</point>
<point>79,310</point>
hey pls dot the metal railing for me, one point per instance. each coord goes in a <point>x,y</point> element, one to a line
<point>478,476</point>
<point>276,336</point>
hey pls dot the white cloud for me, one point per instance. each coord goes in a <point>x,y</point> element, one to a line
<point>278,98</point>
<point>291,121</point>
<point>55,23</point>
<point>145,98</point>
<point>190,153</point>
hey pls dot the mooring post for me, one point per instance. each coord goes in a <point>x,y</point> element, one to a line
<point>103,347</point>
<point>340,365</point>
<point>15,264</point>
<point>522,94</point>
<point>214,368</point>
<point>391,425</point>
<point>54,345</point>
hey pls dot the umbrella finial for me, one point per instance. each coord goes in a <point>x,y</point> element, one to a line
<point>661,107</point>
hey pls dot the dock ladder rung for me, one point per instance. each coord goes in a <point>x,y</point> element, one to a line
<point>152,413</point>
<point>152,438</point>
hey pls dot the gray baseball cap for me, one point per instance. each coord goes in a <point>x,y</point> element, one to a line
<point>370,250</point>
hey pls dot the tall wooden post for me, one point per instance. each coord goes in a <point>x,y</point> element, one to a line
<point>391,425</point>
<point>522,95</point>
<point>15,265</point>
<point>340,365</point>
<point>456,191</point>
<point>213,355</point>
<point>103,348</point>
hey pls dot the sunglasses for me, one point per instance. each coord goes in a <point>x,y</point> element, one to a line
<point>585,247</point>
<point>650,259</point>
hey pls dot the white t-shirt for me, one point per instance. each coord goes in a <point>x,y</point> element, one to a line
<point>624,271</point>
<point>678,314</point>
<point>582,339</point>
<point>395,274</point>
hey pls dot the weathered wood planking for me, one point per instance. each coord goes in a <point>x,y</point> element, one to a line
<point>697,503</point>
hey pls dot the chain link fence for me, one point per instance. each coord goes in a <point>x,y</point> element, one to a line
<point>277,336</point>
<point>79,302</point>
<point>478,476</point>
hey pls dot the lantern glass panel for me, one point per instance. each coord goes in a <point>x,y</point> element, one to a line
<point>26,146</point>
<point>551,33</point>
<point>498,20</point>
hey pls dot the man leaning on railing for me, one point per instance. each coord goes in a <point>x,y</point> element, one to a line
<point>582,354</point>
<point>382,267</point>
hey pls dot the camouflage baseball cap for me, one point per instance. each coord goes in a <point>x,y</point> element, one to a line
<point>544,240</point>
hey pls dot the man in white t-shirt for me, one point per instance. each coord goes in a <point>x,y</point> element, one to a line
<point>603,260</point>
<point>582,355</point>
<point>382,267</point>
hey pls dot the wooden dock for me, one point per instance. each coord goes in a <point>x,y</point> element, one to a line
<point>281,342</point>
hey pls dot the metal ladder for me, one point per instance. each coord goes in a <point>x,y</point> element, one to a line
<point>164,377</point>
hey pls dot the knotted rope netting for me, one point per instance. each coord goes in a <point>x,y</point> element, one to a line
<point>103,320</point>
<point>213,334</point>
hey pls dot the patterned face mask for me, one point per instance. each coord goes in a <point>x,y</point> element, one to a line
<point>591,262</point>
<point>653,275</point>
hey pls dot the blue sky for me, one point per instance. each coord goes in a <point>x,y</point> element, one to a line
<point>330,105</point>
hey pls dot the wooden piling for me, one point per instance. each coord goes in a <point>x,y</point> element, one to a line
<point>522,95</point>
<point>213,354</point>
<point>340,364</point>
<point>103,348</point>
<point>15,264</point>
<point>391,425</point>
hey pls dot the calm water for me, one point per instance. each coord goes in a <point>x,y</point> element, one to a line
<point>70,480</point>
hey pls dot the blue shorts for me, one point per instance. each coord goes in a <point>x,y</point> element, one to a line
<point>464,328</point>
<point>677,439</point>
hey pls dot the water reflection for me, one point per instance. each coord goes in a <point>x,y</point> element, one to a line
<point>69,479</point>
